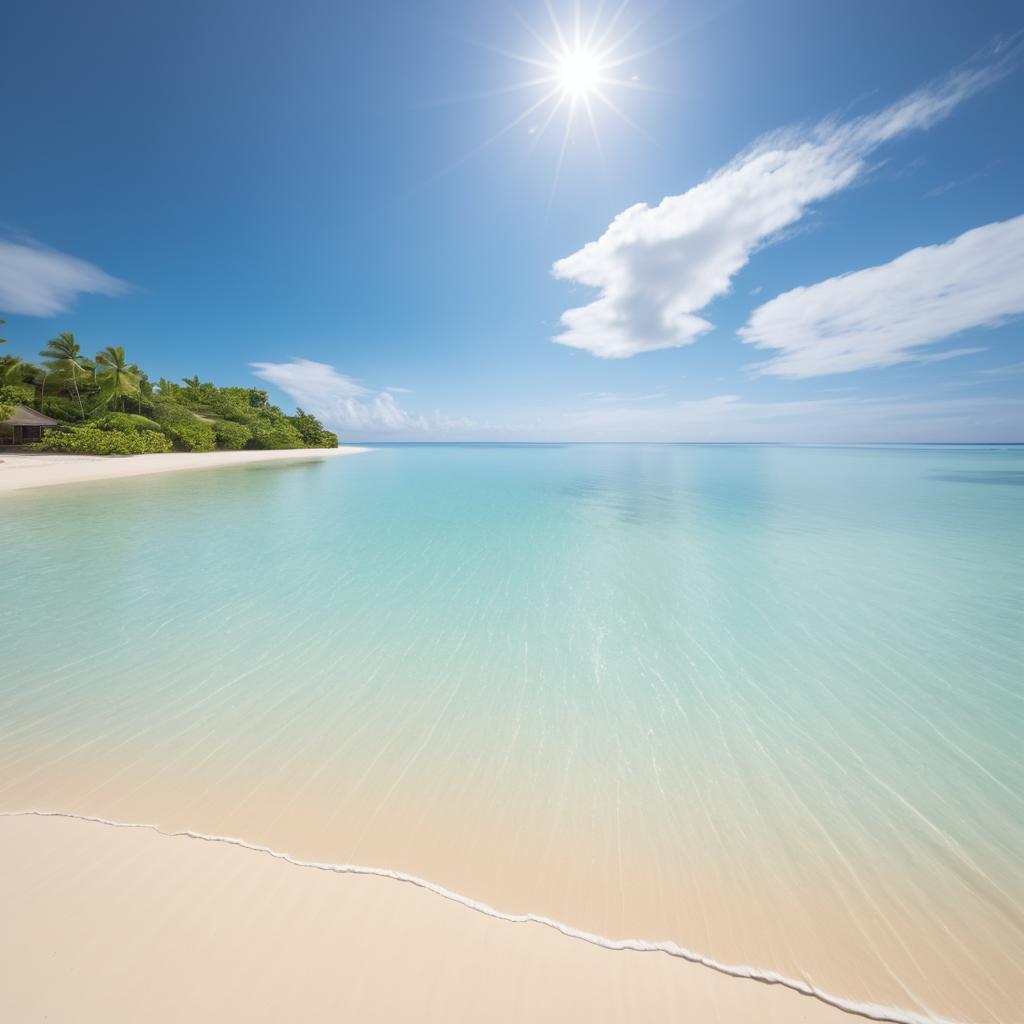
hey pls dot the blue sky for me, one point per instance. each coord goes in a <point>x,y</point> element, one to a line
<point>801,222</point>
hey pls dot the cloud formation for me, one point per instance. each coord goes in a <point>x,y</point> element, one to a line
<point>888,314</point>
<point>36,281</point>
<point>346,405</point>
<point>658,267</point>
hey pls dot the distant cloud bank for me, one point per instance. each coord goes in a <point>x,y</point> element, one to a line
<point>888,314</point>
<point>36,281</point>
<point>346,405</point>
<point>657,268</point>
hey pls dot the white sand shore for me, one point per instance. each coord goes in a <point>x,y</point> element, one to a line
<point>125,924</point>
<point>19,471</point>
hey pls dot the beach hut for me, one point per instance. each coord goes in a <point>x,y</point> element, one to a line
<point>25,426</point>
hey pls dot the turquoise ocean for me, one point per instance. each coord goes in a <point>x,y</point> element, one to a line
<point>763,702</point>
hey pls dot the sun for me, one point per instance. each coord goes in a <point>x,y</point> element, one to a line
<point>577,67</point>
<point>579,73</point>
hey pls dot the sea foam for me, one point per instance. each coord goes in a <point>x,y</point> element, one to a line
<point>866,1010</point>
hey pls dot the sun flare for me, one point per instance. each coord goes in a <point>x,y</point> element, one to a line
<point>577,68</point>
<point>579,72</point>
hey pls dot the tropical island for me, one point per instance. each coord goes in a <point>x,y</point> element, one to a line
<point>109,406</point>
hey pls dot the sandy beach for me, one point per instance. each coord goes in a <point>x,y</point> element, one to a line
<point>21,471</point>
<point>140,925</point>
<point>438,662</point>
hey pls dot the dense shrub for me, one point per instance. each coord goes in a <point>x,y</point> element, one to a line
<point>275,434</point>
<point>144,422</point>
<point>12,395</point>
<point>243,405</point>
<point>125,421</point>
<point>186,432</point>
<point>91,440</point>
<point>191,437</point>
<point>312,430</point>
<point>60,407</point>
<point>231,436</point>
<point>17,394</point>
<point>166,410</point>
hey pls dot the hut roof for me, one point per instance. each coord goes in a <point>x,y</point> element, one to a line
<point>26,417</point>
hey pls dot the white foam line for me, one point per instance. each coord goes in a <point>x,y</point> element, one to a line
<point>869,1011</point>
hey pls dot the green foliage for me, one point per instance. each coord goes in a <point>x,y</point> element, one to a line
<point>196,394</point>
<point>15,394</point>
<point>192,437</point>
<point>271,433</point>
<point>231,436</point>
<point>95,396</point>
<point>6,411</point>
<point>125,421</point>
<point>143,422</point>
<point>10,370</point>
<point>180,424</point>
<point>234,404</point>
<point>168,389</point>
<point>118,379</point>
<point>60,407</point>
<point>257,397</point>
<point>63,357</point>
<point>91,440</point>
<point>312,430</point>
<point>243,417</point>
<point>242,405</point>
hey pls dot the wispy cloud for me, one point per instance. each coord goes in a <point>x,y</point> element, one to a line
<point>831,420</point>
<point>345,404</point>
<point>657,268</point>
<point>888,314</point>
<point>948,186</point>
<point>37,281</point>
<point>609,397</point>
<point>1009,370</point>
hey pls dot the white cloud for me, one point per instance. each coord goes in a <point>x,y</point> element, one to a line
<point>658,267</point>
<point>36,281</point>
<point>885,315</point>
<point>344,404</point>
<point>359,412</point>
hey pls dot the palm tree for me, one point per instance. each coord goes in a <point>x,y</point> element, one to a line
<point>117,377</point>
<point>14,370</point>
<point>3,341</point>
<point>64,355</point>
<point>11,369</point>
<point>29,373</point>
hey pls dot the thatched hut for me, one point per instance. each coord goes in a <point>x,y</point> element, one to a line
<point>25,426</point>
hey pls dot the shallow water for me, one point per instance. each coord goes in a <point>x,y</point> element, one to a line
<point>764,702</point>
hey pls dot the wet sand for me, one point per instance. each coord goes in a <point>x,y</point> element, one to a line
<point>124,924</point>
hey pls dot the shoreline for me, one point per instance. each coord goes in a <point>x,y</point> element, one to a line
<point>130,910</point>
<point>21,471</point>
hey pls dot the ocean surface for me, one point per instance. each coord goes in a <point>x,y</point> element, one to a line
<point>765,703</point>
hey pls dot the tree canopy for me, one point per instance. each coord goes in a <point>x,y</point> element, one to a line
<point>108,405</point>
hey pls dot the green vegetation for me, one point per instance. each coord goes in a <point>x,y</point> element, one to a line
<point>231,436</point>
<point>94,440</point>
<point>109,406</point>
